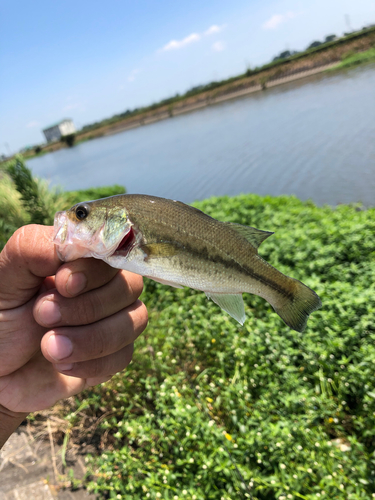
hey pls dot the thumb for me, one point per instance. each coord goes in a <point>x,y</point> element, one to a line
<point>26,260</point>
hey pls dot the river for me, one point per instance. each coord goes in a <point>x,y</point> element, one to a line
<point>313,138</point>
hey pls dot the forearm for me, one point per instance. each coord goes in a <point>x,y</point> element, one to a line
<point>9,422</point>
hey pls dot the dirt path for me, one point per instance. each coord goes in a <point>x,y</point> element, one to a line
<point>32,469</point>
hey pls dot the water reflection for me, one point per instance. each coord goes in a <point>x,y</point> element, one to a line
<point>314,139</point>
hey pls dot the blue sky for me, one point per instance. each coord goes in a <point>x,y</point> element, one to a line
<point>88,60</point>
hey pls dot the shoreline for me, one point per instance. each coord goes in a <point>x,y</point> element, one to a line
<point>297,67</point>
<point>217,100</point>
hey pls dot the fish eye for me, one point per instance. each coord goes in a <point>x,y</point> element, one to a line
<point>82,211</point>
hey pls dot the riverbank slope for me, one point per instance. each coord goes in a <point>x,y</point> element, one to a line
<point>301,65</point>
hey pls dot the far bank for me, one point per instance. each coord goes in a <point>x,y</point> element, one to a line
<point>350,49</point>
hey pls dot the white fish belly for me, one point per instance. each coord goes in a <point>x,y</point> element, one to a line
<point>193,273</point>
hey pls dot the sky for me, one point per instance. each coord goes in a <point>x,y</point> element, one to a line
<point>89,59</point>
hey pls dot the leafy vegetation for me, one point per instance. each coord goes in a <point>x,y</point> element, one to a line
<point>74,197</point>
<point>354,58</point>
<point>69,139</point>
<point>25,199</point>
<point>212,410</point>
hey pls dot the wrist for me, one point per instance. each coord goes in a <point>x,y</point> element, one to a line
<point>9,422</point>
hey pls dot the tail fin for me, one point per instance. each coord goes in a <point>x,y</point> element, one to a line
<point>295,311</point>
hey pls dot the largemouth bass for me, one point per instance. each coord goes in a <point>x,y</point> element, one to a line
<point>178,245</point>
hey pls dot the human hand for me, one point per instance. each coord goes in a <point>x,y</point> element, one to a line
<point>63,327</point>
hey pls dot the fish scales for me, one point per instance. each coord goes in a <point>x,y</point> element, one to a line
<point>179,245</point>
<point>208,240</point>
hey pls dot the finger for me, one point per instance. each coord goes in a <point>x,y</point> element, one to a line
<point>83,343</point>
<point>27,258</point>
<point>82,275</point>
<point>48,284</point>
<point>20,337</point>
<point>52,309</point>
<point>36,386</point>
<point>101,369</point>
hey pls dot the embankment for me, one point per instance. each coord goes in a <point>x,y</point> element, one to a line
<point>299,66</point>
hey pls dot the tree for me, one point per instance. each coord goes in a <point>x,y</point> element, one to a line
<point>330,38</point>
<point>314,44</point>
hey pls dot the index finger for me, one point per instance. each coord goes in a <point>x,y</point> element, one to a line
<point>26,260</point>
<point>82,275</point>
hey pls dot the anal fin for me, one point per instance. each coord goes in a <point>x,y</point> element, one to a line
<point>232,304</point>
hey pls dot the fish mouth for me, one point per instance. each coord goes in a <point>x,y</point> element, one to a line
<point>74,242</point>
<point>126,244</point>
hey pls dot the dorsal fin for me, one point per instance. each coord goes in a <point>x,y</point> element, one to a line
<point>253,235</point>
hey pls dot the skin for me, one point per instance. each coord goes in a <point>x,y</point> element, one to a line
<point>63,327</point>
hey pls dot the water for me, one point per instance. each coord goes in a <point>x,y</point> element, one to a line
<point>313,138</point>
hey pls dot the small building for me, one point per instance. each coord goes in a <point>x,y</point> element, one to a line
<point>57,130</point>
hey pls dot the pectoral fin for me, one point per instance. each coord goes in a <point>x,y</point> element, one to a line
<point>159,250</point>
<point>232,304</point>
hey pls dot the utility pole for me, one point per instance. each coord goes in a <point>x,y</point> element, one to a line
<point>6,144</point>
<point>347,20</point>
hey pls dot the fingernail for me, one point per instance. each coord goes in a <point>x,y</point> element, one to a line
<point>49,312</point>
<point>59,347</point>
<point>64,367</point>
<point>76,283</point>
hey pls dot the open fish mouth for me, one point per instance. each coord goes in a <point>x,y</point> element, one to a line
<point>126,244</point>
<point>76,241</point>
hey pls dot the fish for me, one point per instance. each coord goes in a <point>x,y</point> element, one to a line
<point>178,245</point>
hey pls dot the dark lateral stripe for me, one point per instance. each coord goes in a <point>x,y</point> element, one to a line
<point>199,254</point>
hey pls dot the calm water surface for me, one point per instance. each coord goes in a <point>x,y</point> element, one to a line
<point>314,139</point>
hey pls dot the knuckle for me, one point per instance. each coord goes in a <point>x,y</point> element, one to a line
<point>134,282</point>
<point>141,316</point>
<point>96,368</point>
<point>13,245</point>
<point>129,354</point>
<point>91,308</point>
<point>100,340</point>
<point>144,315</point>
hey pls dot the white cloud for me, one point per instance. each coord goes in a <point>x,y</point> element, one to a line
<point>178,44</point>
<point>214,29</point>
<point>193,37</point>
<point>133,74</point>
<point>32,124</point>
<point>218,46</point>
<point>277,19</point>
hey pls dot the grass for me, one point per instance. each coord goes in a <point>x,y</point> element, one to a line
<point>212,410</point>
<point>25,199</point>
<point>354,59</point>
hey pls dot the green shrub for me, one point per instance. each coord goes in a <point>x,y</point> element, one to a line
<point>94,193</point>
<point>212,410</point>
<point>25,199</point>
<point>12,212</point>
<point>209,409</point>
<point>39,202</point>
<point>69,139</point>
